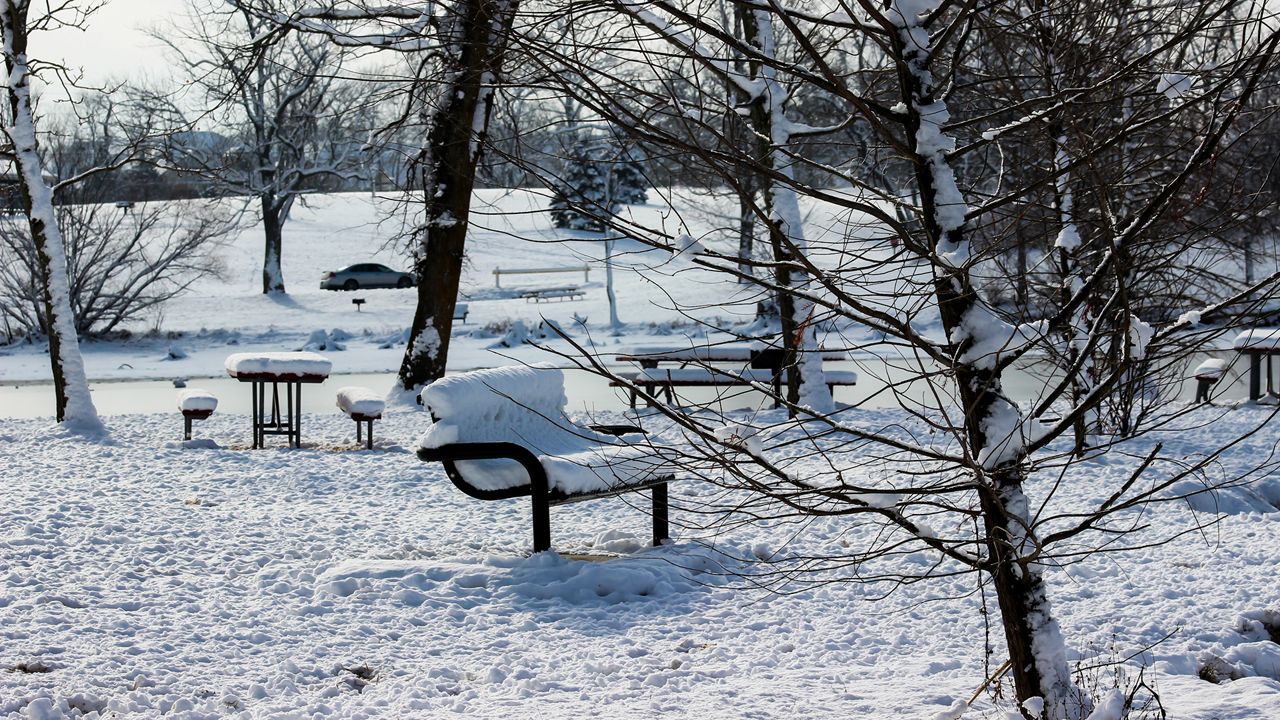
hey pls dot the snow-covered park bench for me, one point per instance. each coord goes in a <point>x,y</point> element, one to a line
<point>195,404</point>
<point>566,292</point>
<point>460,311</point>
<point>364,406</point>
<point>503,433</point>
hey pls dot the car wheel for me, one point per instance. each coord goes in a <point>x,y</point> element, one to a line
<point>351,285</point>
<point>404,282</point>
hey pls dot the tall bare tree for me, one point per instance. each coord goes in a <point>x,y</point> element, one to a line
<point>457,51</point>
<point>74,406</point>
<point>292,123</point>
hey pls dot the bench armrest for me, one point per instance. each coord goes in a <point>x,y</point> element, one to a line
<point>448,455</point>
<point>617,430</point>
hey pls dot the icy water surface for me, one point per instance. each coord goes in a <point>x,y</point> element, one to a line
<point>881,384</point>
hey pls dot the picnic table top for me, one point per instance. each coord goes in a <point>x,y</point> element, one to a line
<point>305,367</point>
<point>1258,339</point>
<point>727,352</point>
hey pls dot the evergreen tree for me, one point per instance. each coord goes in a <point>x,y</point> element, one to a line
<point>582,199</point>
<point>629,184</point>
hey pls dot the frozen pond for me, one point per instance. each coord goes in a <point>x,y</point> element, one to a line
<point>879,384</point>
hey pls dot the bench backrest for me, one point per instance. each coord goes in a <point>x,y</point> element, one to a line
<point>520,404</point>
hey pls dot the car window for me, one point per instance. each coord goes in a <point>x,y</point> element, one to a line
<point>380,268</point>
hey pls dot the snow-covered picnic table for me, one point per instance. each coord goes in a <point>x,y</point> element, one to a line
<point>292,369</point>
<point>1258,343</point>
<point>751,364</point>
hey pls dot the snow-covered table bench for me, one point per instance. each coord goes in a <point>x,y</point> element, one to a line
<point>362,405</point>
<point>195,404</point>
<point>1207,374</point>
<point>292,369</point>
<point>503,433</point>
<point>1257,344</point>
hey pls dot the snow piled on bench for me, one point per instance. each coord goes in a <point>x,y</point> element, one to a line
<point>1258,339</point>
<point>525,405</point>
<point>197,400</point>
<point>354,400</point>
<point>278,363</point>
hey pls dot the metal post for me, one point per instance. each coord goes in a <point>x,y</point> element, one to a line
<point>297,419</point>
<point>541,517</point>
<point>1255,376</point>
<point>254,413</point>
<point>369,437</point>
<point>186,426</point>
<point>359,429</point>
<point>660,508</point>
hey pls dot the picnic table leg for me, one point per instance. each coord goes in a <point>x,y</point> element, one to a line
<point>660,508</point>
<point>1255,376</point>
<point>297,418</point>
<point>255,412</point>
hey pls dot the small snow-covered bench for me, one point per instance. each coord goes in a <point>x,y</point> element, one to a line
<point>195,404</point>
<point>1207,374</point>
<point>503,433</point>
<point>460,312</point>
<point>362,405</point>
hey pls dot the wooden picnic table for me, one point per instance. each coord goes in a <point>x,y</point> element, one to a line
<point>1257,344</point>
<point>290,369</point>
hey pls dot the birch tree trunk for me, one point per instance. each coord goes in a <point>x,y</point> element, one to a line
<point>74,405</point>
<point>801,358</point>
<point>458,123</point>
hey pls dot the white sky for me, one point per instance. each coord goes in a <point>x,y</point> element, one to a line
<point>114,45</point>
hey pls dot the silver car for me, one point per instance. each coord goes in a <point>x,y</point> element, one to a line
<point>365,275</point>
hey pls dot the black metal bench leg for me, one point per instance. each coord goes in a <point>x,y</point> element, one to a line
<point>661,531</point>
<point>369,437</point>
<point>359,431</point>
<point>541,521</point>
<point>186,428</point>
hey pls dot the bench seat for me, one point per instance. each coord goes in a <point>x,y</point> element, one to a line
<point>364,406</point>
<point>195,404</point>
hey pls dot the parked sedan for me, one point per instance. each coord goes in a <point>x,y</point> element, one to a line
<point>365,275</point>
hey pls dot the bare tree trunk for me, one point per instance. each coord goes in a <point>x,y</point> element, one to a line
<point>801,359</point>
<point>746,229</point>
<point>448,162</point>
<point>74,405</point>
<point>273,231</point>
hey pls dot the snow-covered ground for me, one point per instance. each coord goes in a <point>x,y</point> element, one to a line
<point>142,577</point>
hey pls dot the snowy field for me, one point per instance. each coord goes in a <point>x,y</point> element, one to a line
<point>143,577</point>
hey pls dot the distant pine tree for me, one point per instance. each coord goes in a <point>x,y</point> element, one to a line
<point>629,184</point>
<point>582,199</point>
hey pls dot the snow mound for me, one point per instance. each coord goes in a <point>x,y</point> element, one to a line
<point>282,364</point>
